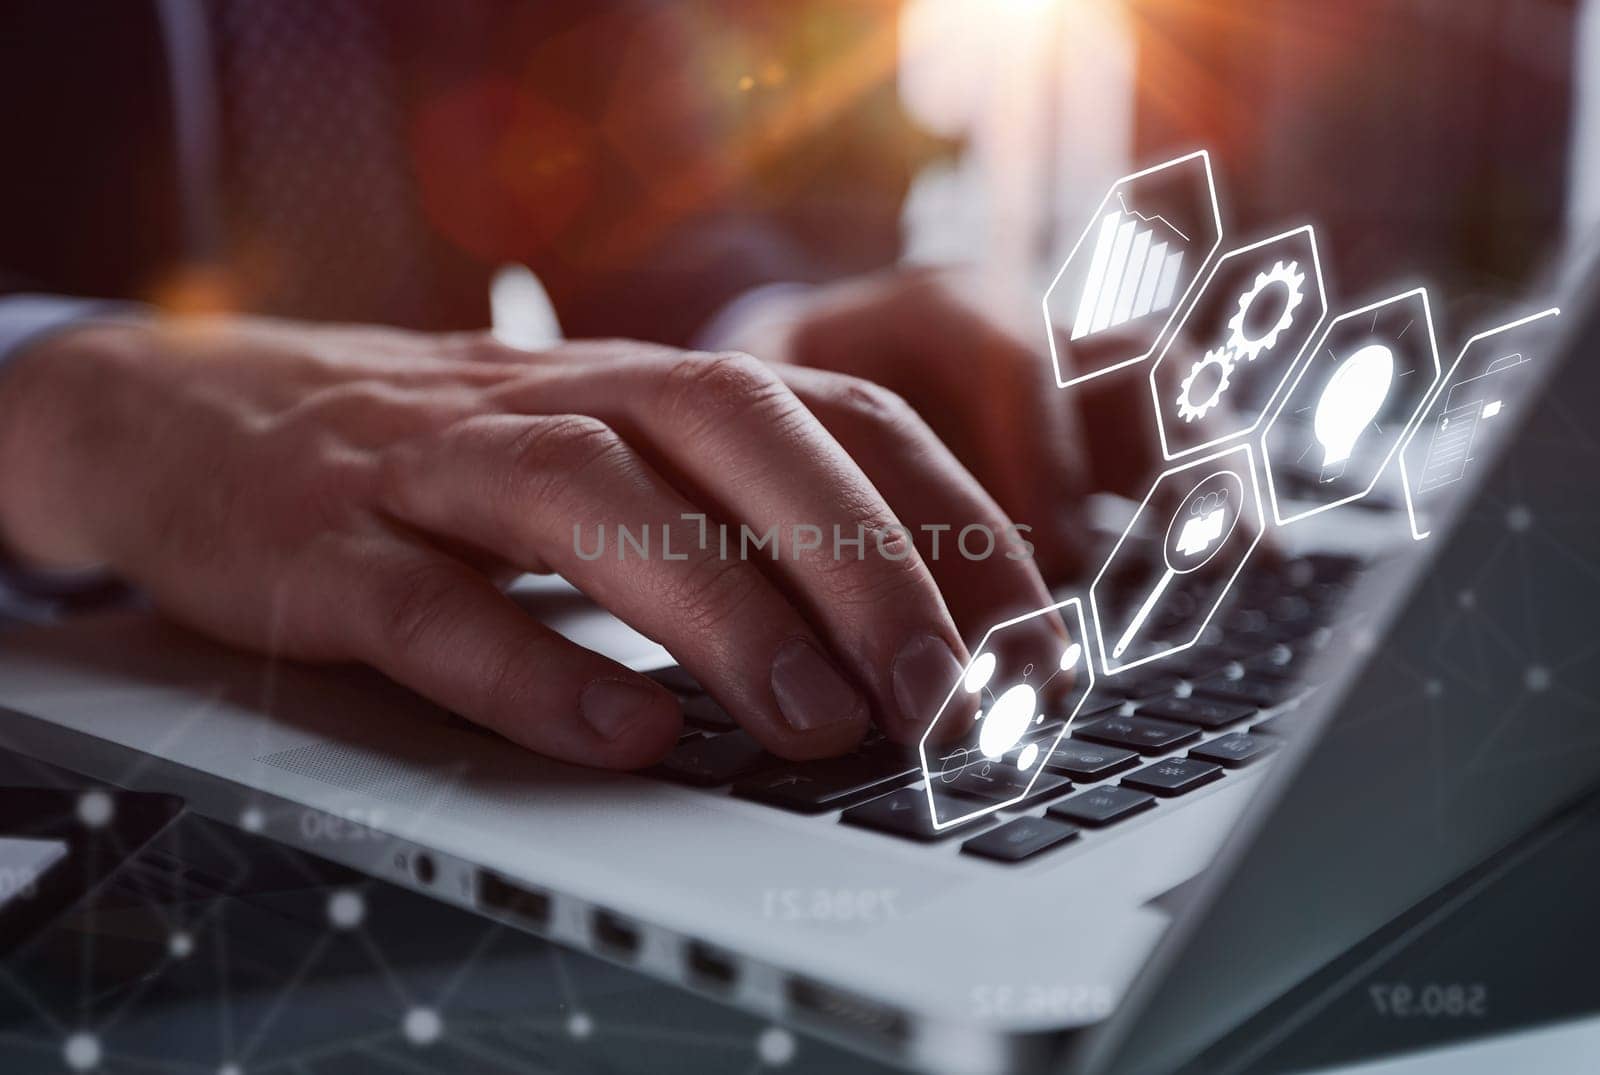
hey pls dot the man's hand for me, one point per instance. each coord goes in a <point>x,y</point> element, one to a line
<point>985,388</point>
<point>352,494</point>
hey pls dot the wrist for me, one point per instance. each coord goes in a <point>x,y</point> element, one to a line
<point>58,396</point>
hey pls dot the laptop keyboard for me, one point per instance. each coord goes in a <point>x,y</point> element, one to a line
<point>1141,742</point>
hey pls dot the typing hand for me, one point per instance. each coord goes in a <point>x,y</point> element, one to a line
<point>354,494</point>
<point>984,386</point>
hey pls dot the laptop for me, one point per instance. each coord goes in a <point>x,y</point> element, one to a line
<point>1397,695</point>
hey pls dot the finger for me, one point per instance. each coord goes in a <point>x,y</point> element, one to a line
<point>440,628</point>
<point>989,396</point>
<point>728,429</point>
<point>543,489</point>
<point>1025,445</point>
<point>986,580</point>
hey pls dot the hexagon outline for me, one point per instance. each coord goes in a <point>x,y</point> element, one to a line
<point>1416,416</point>
<point>1261,516</point>
<point>1082,638</point>
<point>1094,218</point>
<point>1433,397</point>
<point>1288,369</point>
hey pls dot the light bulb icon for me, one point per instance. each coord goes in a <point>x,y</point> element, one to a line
<point>1349,402</point>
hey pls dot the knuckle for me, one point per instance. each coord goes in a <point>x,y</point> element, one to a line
<point>706,388</point>
<point>476,346</point>
<point>872,402</point>
<point>893,574</point>
<point>336,402</point>
<point>567,445</point>
<point>505,693</point>
<point>560,461</point>
<point>413,605</point>
<point>712,592</point>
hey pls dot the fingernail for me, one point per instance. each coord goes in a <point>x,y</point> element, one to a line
<point>924,671</point>
<point>612,706</point>
<point>810,691</point>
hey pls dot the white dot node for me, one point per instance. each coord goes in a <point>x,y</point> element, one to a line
<point>775,1046</point>
<point>1519,518</point>
<point>1070,656</point>
<point>82,1051</point>
<point>180,945</point>
<point>1467,599</point>
<point>980,672</point>
<point>1008,718</point>
<point>1537,678</point>
<point>422,1026</point>
<point>1029,755</point>
<point>95,808</point>
<point>346,909</point>
<point>1433,688</point>
<point>579,1025</point>
<point>230,1069</point>
<point>252,819</point>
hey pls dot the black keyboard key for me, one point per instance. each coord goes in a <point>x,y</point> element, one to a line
<point>814,787</point>
<point>713,760</point>
<point>1137,687</point>
<point>1088,761</point>
<point>905,813</point>
<point>1099,705</point>
<point>702,711</point>
<point>1281,725</point>
<point>1234,750</point>
<point>1249,691</point>
<point>1193,664</point>
<point>1268,669</point>
<point>1102,806</point>
<point>1020,839</point>
<point>1173,776</point>
<point>1137,733</point>
<point>1201,712</point>
<point>1002,783</point>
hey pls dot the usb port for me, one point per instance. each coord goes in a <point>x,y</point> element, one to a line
<point>710,968</point>
<point>615,935</point>
<point>834,1008</point>
<point>523,905</point>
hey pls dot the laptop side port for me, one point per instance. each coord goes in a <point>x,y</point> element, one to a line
<point>710,968</point>
<point>525,906</point>
<point>614,935</point>
<point>828,1008</point>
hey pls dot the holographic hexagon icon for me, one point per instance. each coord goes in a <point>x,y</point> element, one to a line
<point>1478,401</point>
<point>1132,269</point>
<point>1016,700</point>
<point>1353,400</point>
<point>1148,603</point>
<point>1237,342</point>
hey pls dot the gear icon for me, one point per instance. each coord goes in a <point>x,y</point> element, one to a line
<point>1289,275</point>
<point>1189,408</point>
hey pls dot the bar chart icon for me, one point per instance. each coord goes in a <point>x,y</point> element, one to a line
<point>1133,262</point>
<point>1130,273</point>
